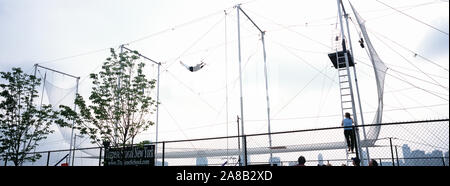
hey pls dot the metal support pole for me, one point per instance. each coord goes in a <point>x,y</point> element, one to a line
<point>396,154</point>
<point>245,150</point>
<point>240,75</point>
<point>56,71</point>
<point>163,153</point>
<point>73,125</point>
<point>392,151</point>
<point>157,113</point>
<point>74,147</point>
<point>48,158</point>
<point>265,76</point>
<point>100,157</point>
<point>157,94</point>
<point>358,145</point>
<point>239,141</point>
<point>267,98</point>
<point>226,82</point>
<point>356,84</point>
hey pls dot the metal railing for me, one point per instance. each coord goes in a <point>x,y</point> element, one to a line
<point>412,143</point>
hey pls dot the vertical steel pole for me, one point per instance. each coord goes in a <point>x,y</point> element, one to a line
<point>157,113</point>
<point>73,124</point>
<point>240,76</point>
<point>392,151</point>
<point>226,81</point>
<point>239,141</point>
<point>100,157</point>
<point>163,153</point>
<point>245,150</point>
<point>267,98</point>
<point>396,154</point>
<point>48,158</point>
<point>357,88</point>
<point>74,147</point>
<point>358,145</point>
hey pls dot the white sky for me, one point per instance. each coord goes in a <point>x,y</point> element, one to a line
<point>48,31</point>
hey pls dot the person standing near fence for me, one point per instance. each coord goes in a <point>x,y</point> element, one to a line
<point>349,134</point>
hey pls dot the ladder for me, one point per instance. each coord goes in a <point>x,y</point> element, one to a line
<point>346,92</point>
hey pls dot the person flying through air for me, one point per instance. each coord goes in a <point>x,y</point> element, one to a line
<point>194,68</point>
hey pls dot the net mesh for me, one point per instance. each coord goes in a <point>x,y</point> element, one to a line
<point>380,73</point>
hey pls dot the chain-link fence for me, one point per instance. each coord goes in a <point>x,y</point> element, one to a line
<point>415,143</point>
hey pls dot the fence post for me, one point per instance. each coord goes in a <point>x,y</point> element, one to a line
<point>48,158</point>
<point>163,152</point>
<point>381,164</point>
<point>392,151</point>
<point>396,154</point>
<point>100,157</point>
<point>443,161</point>
<point>245,149</point>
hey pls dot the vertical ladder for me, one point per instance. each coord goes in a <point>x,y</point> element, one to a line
<point>345,91</point>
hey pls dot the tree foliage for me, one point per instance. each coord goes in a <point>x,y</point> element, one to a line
<point>120,101</point>
<point>22,123</point>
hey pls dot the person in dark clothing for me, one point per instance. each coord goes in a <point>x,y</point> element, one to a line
<point>373,163</point>
<point>356,161</point>
<point>301,161</point>
<point>349,134</point>
<point>194,68</point>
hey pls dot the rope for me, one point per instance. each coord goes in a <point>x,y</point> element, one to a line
<point>409,83</point>
<point>178,126</point>
<point>298,93</point>
<point>415,53</point>
<point>414,18</point>
<point>192,90</point>
<point>194,43</point>
<point>412,64</point>
<point>289,29</point>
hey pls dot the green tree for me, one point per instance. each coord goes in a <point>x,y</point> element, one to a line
<point>121,102</point>
<point>22,124</point>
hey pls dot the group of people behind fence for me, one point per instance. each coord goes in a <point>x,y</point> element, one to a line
<point>355,162</point>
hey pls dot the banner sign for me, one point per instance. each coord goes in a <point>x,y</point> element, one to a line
<point>130,156</point>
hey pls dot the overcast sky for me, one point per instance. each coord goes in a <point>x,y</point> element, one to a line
<point>73,36</point>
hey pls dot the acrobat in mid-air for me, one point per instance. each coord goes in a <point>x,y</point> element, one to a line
<point>194,68</point>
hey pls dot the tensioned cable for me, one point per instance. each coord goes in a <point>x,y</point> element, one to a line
<point>192,90</point>
<point>207,125</point>
<point>298,93</point>
<point>139,39</point>
<point>74,56</point>
<point>195,42</point>
<point>408,82</point>
<point>412,116</point>
<point>412,76</point>
<point>413,70</point>
<point>404,9</point>
<point>413,18</point>
<point>415,53</point>
<point>437,83</point>
<point>412,63</point>
<point>304,61</point>
<point>413,86</point>
<point>289,29</point>
<point>178,126</point>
